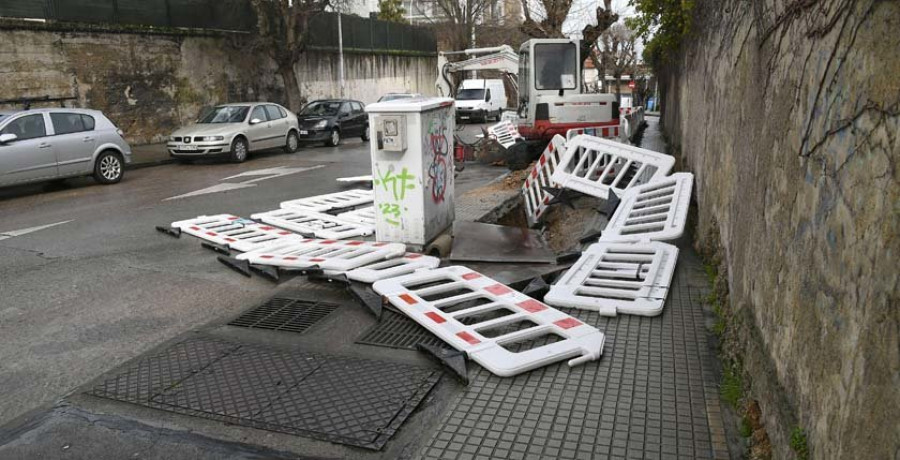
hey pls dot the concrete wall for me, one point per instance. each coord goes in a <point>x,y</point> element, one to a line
<point>151,84</point>
<point>789,115</point>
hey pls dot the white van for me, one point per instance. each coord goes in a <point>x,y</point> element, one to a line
<point>480,99</point>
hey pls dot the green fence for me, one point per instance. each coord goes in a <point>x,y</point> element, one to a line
<point>370,35</point>
<point>360,34</point>
<point>235,15</point>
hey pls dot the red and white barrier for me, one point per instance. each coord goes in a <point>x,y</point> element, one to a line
<point>364,216</point>
<point>325,254</point>
<point>597,166</point>
<point>392,268</point>
<point>505,133</point>
<point>489,321</point>
<point>606,132</point>
<point>313,223</point>
<point>234,232</point>
<point>322,203</point>
<point>536,198</point>
<point>652,212</point>
<point>611,278</point>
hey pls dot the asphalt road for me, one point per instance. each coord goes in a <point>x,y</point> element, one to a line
<point>102,286</point>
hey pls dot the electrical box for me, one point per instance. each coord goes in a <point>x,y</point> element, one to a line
<point>412,169</point>
<point>390,132</point>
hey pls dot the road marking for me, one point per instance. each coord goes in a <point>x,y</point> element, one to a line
<point>25,231</point>
<point>259,175</point>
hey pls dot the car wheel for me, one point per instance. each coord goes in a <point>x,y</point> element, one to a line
<point>293,142</point>
<point>239,150</point>
<point>335,139</point>
<point>108,168</point>
<point>365,134</point>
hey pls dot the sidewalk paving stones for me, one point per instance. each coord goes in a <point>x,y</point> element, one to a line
<point>649,396</point>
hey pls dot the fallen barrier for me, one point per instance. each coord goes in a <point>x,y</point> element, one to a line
<point>313,223</point>
<point>490,322</point>
<point>234,232</point>
<point>322,203</point>
<point>652,212</point>
<point>325,254</point>
<point>536,198</point>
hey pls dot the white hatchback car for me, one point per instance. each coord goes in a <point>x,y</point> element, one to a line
<point>56,143</point>
<point>234,130</point>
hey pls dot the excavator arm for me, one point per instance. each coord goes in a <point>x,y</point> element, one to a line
<point>502,58</point>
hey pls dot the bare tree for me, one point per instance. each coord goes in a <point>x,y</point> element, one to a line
<point>546,18</point>
<point>616,47</point>
<point>457,21</point>
<point>282,31</point>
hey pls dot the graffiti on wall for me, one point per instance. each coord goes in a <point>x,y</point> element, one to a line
<point>436,145</point>
<point>396,185</point>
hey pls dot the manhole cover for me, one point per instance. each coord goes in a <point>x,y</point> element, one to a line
<point>397,331</point>
<point>351,401</point>
<point>285,314</point>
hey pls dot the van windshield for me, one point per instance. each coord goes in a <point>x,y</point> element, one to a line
<point>226,114</point>
<point>470,94</point>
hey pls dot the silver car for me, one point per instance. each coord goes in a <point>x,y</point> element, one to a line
<point>46,144</point>
<point>234,130</point>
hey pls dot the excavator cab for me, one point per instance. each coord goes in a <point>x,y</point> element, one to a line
<point>551,100</point>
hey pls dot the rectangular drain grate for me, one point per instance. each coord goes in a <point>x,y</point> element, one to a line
<point>352,401</point>
<point>284,314</point>
<point>397,331</point>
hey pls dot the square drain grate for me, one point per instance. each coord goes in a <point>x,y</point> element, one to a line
<point>285,314</point>
<point>352,401</point>
<point>397,331</point>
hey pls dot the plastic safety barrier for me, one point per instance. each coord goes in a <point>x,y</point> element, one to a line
<point>611,278</point>
<point>365,216</point>
<point>505,133</point>
<point>490,322</point>
<point>536,198</point>
<point>325,254</point>
<point>652,212</point>
<point>606,132</point>
<point>391,268</point>
<point>313,223</point>
<point>597,166</point>
<point>322,203</point>
<point>234,232</point>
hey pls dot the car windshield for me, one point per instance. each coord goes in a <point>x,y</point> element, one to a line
<point>323,109</point>
<point>393,97</point>
<point>3,115</point>
<point>226,114</point>
<point>470,95</point>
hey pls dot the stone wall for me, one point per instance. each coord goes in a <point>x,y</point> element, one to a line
<point>150,84</point>
<point>788,112</point>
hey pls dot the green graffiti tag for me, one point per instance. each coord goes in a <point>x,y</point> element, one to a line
<point>396,185</point>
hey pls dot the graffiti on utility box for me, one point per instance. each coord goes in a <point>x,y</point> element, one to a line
<point>396,185</point>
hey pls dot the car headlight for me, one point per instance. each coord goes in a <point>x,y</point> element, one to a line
<point>209,138</point>
<point>321,124</point>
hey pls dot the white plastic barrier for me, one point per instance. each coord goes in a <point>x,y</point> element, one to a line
<point>490,321</point>
<point>314,224</point>
<point>606,132</point>
<point>365,216</point>
<point>393,268</point>
<point>595,166</point>
<point>325,254</point>
<point>611,278</point>
<point>536,198</point>
<point>632,118</point>
<point>234,232</point>
<point>505,133</point>
<point>322,203</point>
<point>656,211</point>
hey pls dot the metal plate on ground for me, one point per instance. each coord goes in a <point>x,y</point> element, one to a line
<point>284,314</point>
<point>477,242</point>
<point>350,401</point>
<point>398,331</point>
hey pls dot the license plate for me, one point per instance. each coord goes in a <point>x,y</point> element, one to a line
<point>304,133</point>
<point>464,117</point>
<point>191,148</point>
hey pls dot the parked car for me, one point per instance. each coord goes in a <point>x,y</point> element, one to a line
<point>234,130</point>
<point>57,143</point>
<point>395,96</point>
<point>331,120</point>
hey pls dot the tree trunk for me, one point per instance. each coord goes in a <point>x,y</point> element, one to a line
<point>291,88</point>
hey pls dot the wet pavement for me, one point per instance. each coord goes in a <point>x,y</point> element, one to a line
<point>104,289</point>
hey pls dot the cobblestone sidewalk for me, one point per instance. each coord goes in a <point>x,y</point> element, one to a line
<point>653,394</point>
